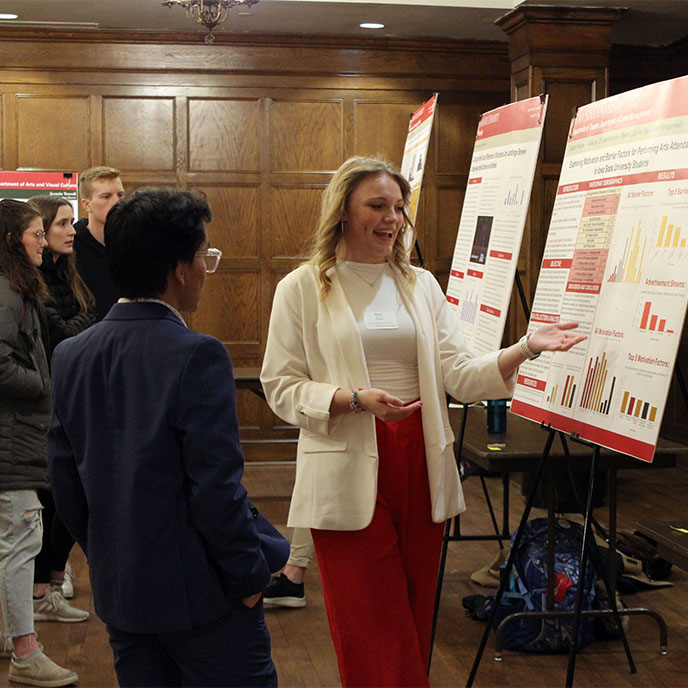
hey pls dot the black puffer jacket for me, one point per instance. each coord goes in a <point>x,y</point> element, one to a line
<point>24,393</point>
<point>65,317</point>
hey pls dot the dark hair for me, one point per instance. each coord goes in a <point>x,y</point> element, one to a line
<point>48,206</point>
<point>148,233</point>
<point>23,276</point>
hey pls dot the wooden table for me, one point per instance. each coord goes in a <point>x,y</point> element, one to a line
<point>249,378</point>
<point>672,544</point>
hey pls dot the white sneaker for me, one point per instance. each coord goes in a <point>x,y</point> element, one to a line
<point>68,583</point>
<point>6,646</point>
<point>53,607</point>
<point>42,671</point>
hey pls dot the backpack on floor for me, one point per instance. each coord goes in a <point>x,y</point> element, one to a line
<point>527,590</point>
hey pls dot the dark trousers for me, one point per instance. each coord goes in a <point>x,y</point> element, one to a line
<point>379,582</point>
<point>231,651</point>
<point>57,542</point>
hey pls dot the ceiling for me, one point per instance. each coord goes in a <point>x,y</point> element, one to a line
<point>646,22</point>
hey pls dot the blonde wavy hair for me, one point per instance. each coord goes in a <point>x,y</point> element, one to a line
<point>328,234</point>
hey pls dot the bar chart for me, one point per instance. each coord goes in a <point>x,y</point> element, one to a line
<point>568,393</point>
<point>652,321</point>
<point>629,266</point>
<point>669,236</point>
<point>598,388</point>
<point>633,406</point>
<point>469,307</point>
<point>514,197</point>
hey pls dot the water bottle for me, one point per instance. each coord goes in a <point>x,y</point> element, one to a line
<point>496,416</point>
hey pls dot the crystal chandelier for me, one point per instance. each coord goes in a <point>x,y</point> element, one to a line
<point>210,13</point>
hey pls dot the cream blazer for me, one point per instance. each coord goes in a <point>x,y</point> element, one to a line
<point>314,348</point>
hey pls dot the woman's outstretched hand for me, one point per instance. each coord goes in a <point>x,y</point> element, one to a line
<point>556,337</point>
<point>384,406</point>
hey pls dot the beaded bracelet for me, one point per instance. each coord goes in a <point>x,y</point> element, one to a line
<point>525,350</point>
<point>353,401</point>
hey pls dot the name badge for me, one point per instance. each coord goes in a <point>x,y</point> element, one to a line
<point>380,320</point>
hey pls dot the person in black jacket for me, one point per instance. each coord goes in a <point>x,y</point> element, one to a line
<point>24,416</point>
<point>70,309</point>
<point>71,306</point>
<point>100,188</point>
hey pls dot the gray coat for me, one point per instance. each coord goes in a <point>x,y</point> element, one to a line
<point>24,394</point>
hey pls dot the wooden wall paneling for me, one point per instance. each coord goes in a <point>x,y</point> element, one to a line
<point>236,223</point>
<point>262,144</point>
<point>224,134</point>
<point>306,136</point>
<point>380,127</point>
<point>566,92</point>
<point>448,213</point>
<point>95,141</point>
<point>228,309</point>
<point>139,133</point>
<point>456,126</point>
<point>52,132</point>
<point>310,57</point>
<point>235,230</point>
<point>181,140</point>
<point>294,212</point>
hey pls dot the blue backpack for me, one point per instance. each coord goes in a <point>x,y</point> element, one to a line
<point>527,590</point>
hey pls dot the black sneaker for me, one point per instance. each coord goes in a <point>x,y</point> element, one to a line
<point>281,592</point>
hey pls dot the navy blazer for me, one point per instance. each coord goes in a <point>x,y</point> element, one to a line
<point>146,465</point>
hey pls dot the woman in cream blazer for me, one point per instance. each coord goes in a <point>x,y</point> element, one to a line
<point>375,474</point>
<point>314,348</point>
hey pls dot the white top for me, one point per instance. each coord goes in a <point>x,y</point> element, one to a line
<point>314,348</point>
<point>387,331</point>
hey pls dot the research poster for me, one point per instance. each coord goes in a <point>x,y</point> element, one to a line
<point>416,151</point>
<point>494,212</point>
<point>23,185</point>
<point>616,261</point>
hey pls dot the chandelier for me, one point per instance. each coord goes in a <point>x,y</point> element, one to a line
<point>210,13</point>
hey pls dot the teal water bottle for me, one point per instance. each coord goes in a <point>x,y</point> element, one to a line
<point>496,416</point>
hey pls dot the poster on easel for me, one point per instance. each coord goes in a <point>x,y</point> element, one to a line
<point>24,185</point>
<point>416,152</point>
<point>493,216</point>
<point>616,261</point>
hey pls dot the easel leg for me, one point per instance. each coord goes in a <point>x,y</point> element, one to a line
<point>438,591</point>
<point>446,537</point>
<point>585,549</point>
<point>510,559</point>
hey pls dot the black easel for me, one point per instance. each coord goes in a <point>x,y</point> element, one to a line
<point>589,549</point>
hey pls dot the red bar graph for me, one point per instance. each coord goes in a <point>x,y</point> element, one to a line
<point>651,321</point>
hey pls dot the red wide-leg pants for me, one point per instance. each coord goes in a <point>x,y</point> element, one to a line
<point>379,583</point>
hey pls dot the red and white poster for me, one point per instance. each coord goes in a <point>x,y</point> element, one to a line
<point>24,185</point>
<point>416,151</point>
<point>616,261</point>
<point>492,219</point>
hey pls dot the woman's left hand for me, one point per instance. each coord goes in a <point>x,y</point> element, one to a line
<point>555,337</point>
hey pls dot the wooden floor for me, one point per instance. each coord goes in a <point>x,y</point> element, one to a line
<point>303,652</point>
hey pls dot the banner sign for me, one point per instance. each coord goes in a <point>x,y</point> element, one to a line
<point>492,219</point>
<point>616,261</point>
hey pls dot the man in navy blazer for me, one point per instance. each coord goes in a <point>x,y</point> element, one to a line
<point>146,464</point>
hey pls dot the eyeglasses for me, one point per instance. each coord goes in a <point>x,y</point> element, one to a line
<point>212,258</point>
<point>39,234</point>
